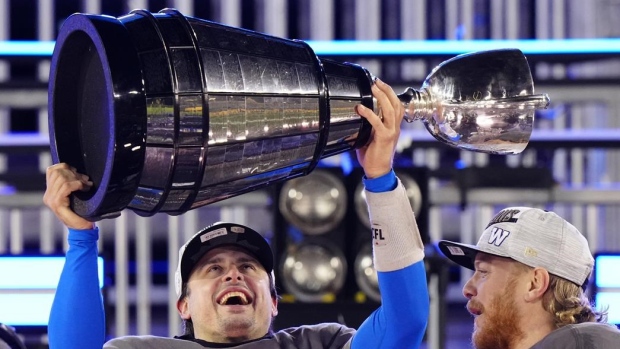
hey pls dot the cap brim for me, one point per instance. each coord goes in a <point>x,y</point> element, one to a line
<point>250,240</point>
<point>461,254</point>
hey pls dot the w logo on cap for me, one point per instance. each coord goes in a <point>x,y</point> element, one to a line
<point>498,236</point>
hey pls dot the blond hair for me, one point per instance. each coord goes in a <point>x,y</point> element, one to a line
<point>569,304</point>
<point>567,301</point>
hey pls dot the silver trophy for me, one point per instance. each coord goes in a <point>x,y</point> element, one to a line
<point>481,101</point>
<point>167,113</point>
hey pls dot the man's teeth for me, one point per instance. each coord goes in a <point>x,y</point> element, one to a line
<point>241,295</point>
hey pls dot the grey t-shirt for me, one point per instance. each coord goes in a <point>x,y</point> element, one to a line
<point>588,335</point>
<point>320,336</point>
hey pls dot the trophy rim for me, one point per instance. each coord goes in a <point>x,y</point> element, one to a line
<point>123,116</point>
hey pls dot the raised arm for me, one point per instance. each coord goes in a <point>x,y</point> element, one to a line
<point>400,322</point>
<point>77,318</point>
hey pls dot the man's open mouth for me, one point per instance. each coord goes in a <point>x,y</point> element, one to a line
<point>234,298</point>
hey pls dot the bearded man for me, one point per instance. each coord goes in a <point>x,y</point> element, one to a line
<point>531,268</point>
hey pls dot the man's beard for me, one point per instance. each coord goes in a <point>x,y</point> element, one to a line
<point>501,322</point>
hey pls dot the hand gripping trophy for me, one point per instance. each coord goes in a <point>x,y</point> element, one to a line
<point>167,113</point>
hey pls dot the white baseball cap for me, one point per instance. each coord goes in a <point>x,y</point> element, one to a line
<point>534,237</point>
<point>217,235</point>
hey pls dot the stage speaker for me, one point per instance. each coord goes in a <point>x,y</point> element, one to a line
<point>312,236</point>
<point>323,235</point>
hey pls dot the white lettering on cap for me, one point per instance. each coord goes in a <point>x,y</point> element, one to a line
<point>238,230</point>
<point>213,234</point>
<point>455,251</point>
<point>497,236</point>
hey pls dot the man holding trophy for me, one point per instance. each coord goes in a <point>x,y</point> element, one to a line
<point>77,318</point>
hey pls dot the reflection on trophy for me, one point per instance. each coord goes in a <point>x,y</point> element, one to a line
<point>167,113</point>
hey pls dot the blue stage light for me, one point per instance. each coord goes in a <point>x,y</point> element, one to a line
<point>394,47</point>
<point>27,288</point>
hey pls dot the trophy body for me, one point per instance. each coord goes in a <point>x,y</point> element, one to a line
<point>166,113</point>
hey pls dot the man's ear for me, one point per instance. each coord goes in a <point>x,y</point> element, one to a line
<point>183,308</point>
<point>538,284</point>
<point>274,306</point>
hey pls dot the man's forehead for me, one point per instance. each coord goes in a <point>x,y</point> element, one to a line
<point>226,252</point>
<point>482,257</point>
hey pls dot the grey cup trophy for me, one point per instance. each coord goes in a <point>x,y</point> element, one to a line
<point>167,113</point>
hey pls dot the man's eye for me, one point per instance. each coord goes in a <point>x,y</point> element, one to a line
<point>249,266</point>
<point>214,268</point>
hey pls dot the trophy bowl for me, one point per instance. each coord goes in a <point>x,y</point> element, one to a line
<point>481,101</point>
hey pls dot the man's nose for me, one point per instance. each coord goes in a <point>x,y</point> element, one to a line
<point>233,273</point>
<point>469,290</point>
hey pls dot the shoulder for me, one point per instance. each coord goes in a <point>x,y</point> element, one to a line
<point>595,328</point>
<point>325,333</point>
<point>322,328</point>
<point>145,342</point>
<point>588,335</point>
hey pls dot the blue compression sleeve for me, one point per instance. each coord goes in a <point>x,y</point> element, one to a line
<point>400,322</point>
<point>381,184</point>
<point>77,318</point>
